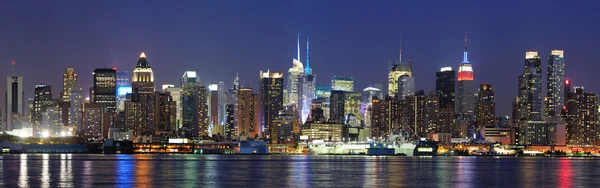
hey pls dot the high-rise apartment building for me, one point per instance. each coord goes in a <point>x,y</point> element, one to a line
<point>406,86</point>
<point>15,101</point>
<point>581,117</point>
<point>271,91</point>
<point>555,84</point>
<point>529,102</point>
<point>485,107</point>
<point>247,115</point>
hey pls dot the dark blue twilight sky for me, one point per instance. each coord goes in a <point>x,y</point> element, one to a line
<point>220,38</point>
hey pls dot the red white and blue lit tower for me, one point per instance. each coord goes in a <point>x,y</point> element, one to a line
<point>465,97</point>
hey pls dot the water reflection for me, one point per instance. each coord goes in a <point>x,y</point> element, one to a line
<point>45,181</point>
<point>143,178</point>
<point>23,177</point>
<point>564,173</point>
<point>124,170</point>
<point>465,172</point>
<point>87,173</point>
<point>66,170</point>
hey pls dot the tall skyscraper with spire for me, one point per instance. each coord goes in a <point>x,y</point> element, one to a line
<point>399,69</point>
<point>556,78</point>
<point>465,99</point>
<point>143,77</point>
<point>308,88</point>
<point>295,75</point>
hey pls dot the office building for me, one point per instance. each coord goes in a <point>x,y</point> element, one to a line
<point>342,83</point>
<point>309,83</point>
<point>69,82</point>
<point>330,132</point>
<point>352,106</point>
<point>283,125</point>
<point>123,88</point>
<point>336,106</point>
<point>76,106</point>
<point>175,93</point>
<point>406,86</point>
<point>485,107</point>
<point>465,99</point>
<point>369,94</point>
<point>104,91</point>
<point>295,75</point>
<point>14,111</point>
<point>42,99</point>
<point>555,84</point>
<point>142,80</point>
<point>93,121</point>
<point>203,111</point>
<point>322,92</point>
<point>190,91</point>
<point>398,69</point>
<point>415,116</point>
<point>271,91</point>
<point>445,87</point>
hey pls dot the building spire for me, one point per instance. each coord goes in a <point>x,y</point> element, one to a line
<point>299,47</point>
<point>400,56</point>
<point>308,70</point>
<point>465,59</point>
<point>13,67</point>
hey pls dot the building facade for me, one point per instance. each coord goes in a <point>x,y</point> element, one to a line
<point>555,84</point>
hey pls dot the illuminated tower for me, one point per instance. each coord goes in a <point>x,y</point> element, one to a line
<point>143,77</point>
<point>69,82</point>
<point>465,86</point>
<point>529,106</point>
<point>554,89</point>
<point>105,88</point>
<point>342,83</point>
<point>42,99</point>
<point>190,94</point>
<point>398,69</point>
<point>295,75</point>
<point>308,88</point>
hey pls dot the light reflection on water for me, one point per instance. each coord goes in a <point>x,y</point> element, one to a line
<point>65,170</point>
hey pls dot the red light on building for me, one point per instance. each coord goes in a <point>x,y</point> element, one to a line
<point>465,75</point>
<point>567,82</point>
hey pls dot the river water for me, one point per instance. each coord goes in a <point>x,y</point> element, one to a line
<point>165,171</point>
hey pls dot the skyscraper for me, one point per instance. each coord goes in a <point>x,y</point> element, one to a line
<point>555,83</point>
<point>143,77</point>
<point>398,69</point>
<point>246,106</point>
<point>530,89</point>
<point>295,75</point>
<point>485,107</point>
<point>203,111</point>
<point>76,100</point>
<point>445,87</point>
<point>342,83</point>
<point>222,101</point>
<point>271,91</point>
<point>352,105</point>
<point>105,88</point>
<point>14,101</point>
<point>123,88</point>
<point>406,86</point>
<point>190,91</point>
<point>581,117</point>
<point>323,92</point>
<point>465,98</point>
<point>42,99</point>
<point>336,106</point>
<point>69,82</point>
<point>309,82</point>
<point>175,93</point>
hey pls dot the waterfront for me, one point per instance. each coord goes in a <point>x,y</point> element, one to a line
<point>80,170</point>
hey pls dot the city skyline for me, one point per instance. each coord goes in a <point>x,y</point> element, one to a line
<point>497,60</point>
